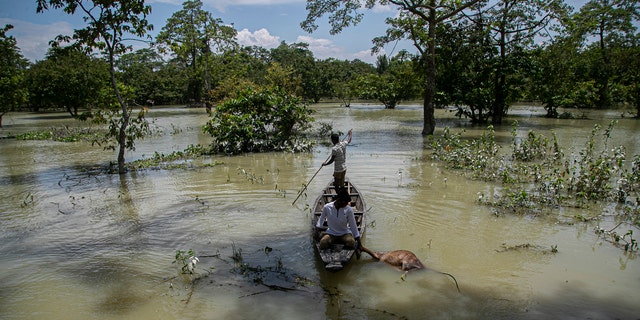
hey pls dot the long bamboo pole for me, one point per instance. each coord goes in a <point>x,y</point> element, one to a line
<point>305,187</point>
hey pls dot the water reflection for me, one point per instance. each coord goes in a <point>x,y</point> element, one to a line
<point>77,243</point>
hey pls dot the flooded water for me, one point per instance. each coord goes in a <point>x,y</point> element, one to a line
<point>80,244</point>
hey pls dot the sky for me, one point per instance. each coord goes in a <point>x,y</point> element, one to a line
<point>264,23</point>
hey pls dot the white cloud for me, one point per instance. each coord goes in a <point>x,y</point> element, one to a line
<point>324,49</point>
<point>33,39</point>
<point>378,8</point>
<point>261,38</point>
<point>365,55</point>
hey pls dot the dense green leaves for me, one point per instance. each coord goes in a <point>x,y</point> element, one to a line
<point>193,34</point>
<point>107,24</point>
<point>154,80</point>
<point>67,79</point>
<point>416,21</point>
<point>612,25</point>
<point>395,81</point>
<point>12,66</point>
<point>259,120</point>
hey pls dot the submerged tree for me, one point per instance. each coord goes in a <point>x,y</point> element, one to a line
<point>107,24</point>
<point>191,34</point>
<point>416,21</point>
<point>514,25</point>
<point>395,81</point>
<point>612,24</point>
<point>12,67</point>
<point>66,79</point>
<point>259,120</point>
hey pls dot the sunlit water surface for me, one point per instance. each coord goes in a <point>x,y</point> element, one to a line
<point>76,243</point>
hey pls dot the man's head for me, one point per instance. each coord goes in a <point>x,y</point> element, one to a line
<point>335,138</point>
<point>343,198</point>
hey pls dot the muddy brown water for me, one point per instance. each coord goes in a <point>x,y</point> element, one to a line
<point>80,244</point>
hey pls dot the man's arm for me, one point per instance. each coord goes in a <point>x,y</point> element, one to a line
<point>349,134</point>
<point>320,223</point>
<point>330,161</point>
<point>352,224</point>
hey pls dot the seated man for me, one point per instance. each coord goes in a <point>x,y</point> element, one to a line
<point>341,223</point>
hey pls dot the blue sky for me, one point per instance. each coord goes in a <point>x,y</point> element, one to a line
<point>265,23</point>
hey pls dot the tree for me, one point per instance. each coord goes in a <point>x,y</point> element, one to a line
<point>12,67</point>
<point>66,79</point>
<point>300,59</point>
<point>192,34</point>
<point>283,78</point>
<point>343,78</point>
<point>248,63</point>
<point>611,23</point>
<point>416,21</point>
<point>259,120</point>
<point>107,23</point>
<point>513,25</point>
<point>465,69</point>
<point>394,81</point>
<point>626,71</point>
<point>140,70</point>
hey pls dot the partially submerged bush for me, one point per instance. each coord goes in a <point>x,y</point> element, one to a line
<point>537,174</point>
<point>65,134</point>
<point>259,121</point>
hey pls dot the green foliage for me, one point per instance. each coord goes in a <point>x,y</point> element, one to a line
<point>176,159</point>
<point>135,124</point>
<point>67,79</point>
<point>283,78</point>
<point>259,120</point>
<point>191,34</point>
<point>108,23</point>
<point>151,78</point>
<point>534,147</point>
<point>187,260</point>
<point>591,174</point>
<point>305,80</point>
<point>396,81</point>
<point>12,68</point>
<point>478,156</point>
<point>65,134</point>
<point>538,175</point>
<point>343,78</point>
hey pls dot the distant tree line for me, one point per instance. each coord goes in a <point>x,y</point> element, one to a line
<point>476,57</point>
<point>496,55</point>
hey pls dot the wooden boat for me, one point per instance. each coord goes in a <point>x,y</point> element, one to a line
<point>336,257</point>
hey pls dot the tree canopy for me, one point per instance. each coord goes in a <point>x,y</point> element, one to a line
<point>416,21</point>
<point>192,34</point>
<point>107,24</point>
<point>12,67</point>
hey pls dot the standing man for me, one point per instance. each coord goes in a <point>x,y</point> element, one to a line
<point>339,157</point>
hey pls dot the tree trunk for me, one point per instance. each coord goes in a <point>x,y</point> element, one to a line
<point>207,74</point>
<point>499,102</point>
<point>122,141</point>
<point>500,81</point>
<point>429,125</point>
<point>603,74</point>
<point>122,135</point>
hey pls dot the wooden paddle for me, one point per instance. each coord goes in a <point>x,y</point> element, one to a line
<point>306,185</point>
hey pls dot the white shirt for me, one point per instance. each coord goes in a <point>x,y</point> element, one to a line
<point>340,222</point>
